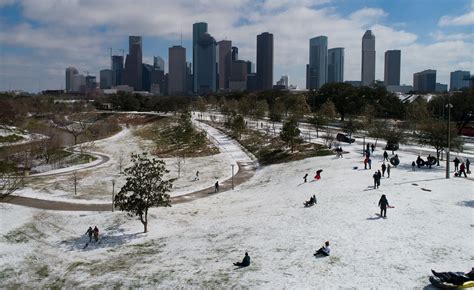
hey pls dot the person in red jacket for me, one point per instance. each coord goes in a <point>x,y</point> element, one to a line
<point>462,169</point>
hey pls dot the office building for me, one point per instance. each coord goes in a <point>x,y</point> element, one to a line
<point>199,29</point>
<point>70,72</point>
<point>336,65</point>
<point>177,70</point>
<point>441,88</point>
<point>105,79</point>
<point>459,80</point>
<point>133,63</point>
<point>159,63</point>
<point>78,84</point>
<point>147,71</point>
<point>392,68</point>
<point>283,82</point>
<point>265,61</point>
<point>368,59</point>
<point>318,62</point>
<point>238,77</point>
<point>235,53</point>
<point>206,71</point>
<point>224,60</point>
<point>117,70</point>
<point>424,81</point>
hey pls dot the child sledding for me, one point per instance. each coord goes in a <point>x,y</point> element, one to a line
<point>312,201</point>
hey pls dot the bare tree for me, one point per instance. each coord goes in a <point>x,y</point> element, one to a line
<point>120,160</point>
<point>9,183</point>
<point>74,181</point>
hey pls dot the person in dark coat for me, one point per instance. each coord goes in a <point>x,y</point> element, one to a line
<point>413,164</point>
<point>419,161</point>
<point>245,262</point>
<point>379,177</point>
<point>305,177</point>
<point>385,156</point>
<point>370,162</point>
<point>456,278</point>
<point>216,187</point>
<point>456,164</point>
<point>325,250</point>
<point>462,170</point>
<point>96,234</point>
<point>375,176</point>
<point>383,204</point>
<point>384,167</point>
<point>468,163</point>
<point>89,232</point>
<point>372,147</point>
<point>388,170</point>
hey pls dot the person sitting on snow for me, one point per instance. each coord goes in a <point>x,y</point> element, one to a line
<point>456,278</point>
<point>325,250</point>
<point>311,201</point>
<point>245,262</point>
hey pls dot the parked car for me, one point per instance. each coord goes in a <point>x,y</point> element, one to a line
<point>343,138</point>
<point>391,147</point>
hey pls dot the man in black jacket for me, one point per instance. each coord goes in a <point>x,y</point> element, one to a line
<point>245,262</point>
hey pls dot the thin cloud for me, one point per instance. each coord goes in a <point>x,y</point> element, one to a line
<point>462,20</point>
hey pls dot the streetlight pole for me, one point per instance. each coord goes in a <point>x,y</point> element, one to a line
<point>113,194</point>
<point>232,165</point>
<point>449,138</point>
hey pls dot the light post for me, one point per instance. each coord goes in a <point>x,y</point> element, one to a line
<point>232,165</point>
<point>113,194</point>
<point>449,106</point>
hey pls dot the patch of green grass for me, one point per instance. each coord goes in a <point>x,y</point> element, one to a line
<point>42,271</point>
<point>10,138</point>
<point>7,273</point>
<point>24,234</point>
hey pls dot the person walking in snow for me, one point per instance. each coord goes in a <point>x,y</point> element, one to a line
<point>325,250</point>
<point>366,160</point>
<point>89,232</point>
<point>456,164</point>
<point>305,177</point>
<point>379,177</point>
<point>216,187</point>
<point>384,167</point>
<point>467,166</point>
<point>368,147</point>
<point>383,204</point>
<point>96,234</point>
<point>385,156</point>
<point>413,164</point>
<point>372,147</point>
<point>375,176</point>
<point>197,176</point>
<point>388,170</point>
<point>462,170</point>
<point>370,163</point>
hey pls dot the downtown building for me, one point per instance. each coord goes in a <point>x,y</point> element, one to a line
<point>224,60</point>
<point>459,80</point>
<point>204,60</point>
<point>105,79</point>
<point>368,59</point>
<point>264,75</point>
<point>424,81</point>
<point>392,68</point>
<point>70,73</point>
<point>317,69</point>
<point>177,71</point>
<point>117,70</point>
<point>134,63</point>
<point>335,65</point>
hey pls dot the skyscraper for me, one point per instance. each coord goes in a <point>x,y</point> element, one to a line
<point>424,81</point>
<point>117,70</point>
<point>392,68</point>
<point>177,70</point>
<point>133,63</point>
<point>199,29</point>
<point>336,65</point>
<point>105,79</point>
<point>206,71</point>
<point>235,53</point>
<point>158,63</point>
<point>459,80</point>
<point>70,72</point>
<point>368,58</point>
<point>224,48</point>
<point>318,62</point>
<point>265,61</point>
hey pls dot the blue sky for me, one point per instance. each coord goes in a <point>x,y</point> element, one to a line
<point>39,39</point>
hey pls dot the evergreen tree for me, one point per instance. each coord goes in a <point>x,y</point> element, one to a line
<point>290,133</point>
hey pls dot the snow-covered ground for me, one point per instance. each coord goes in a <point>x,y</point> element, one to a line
<point>194,244</point>
<point>26,136</point>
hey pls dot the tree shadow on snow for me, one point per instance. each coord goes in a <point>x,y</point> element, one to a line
<point>108,240</point>
<point>467,203</point>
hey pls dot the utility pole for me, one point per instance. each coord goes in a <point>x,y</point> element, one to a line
<point>113,194</point>
<point>232,165</point>
<point>449,138</point>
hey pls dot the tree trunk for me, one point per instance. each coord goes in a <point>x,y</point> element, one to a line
<point>437,156</point>
<point>144,222</point>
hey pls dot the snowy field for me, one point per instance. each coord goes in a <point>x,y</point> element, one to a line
<point>194,244</point>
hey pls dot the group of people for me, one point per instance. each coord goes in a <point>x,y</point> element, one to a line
<point>377,177</point>
<point>460,170</point>
<point>93,232</point>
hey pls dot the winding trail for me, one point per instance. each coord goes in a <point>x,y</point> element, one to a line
<point>246,168</point>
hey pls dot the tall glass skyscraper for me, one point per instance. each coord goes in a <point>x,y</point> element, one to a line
<point>70,72</point>
<point>133,63</point>
<point>368,58</point>
<point>199,29</point>
<point>177,70</point>
<point>318,62</point>
<point>206,72</point>
<point>265,61</point>
<point>424,81</point>
<point>224,63</point>
<point>336,65</point>
<point>392,68</point>
<point>117,70</point>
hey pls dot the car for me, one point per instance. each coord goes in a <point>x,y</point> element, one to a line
<point>391,147</point>
<point>343,138</point>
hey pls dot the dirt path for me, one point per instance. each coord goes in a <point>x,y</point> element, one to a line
<point>246,171</point>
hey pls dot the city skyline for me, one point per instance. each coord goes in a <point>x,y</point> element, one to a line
<point>31,58</point>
